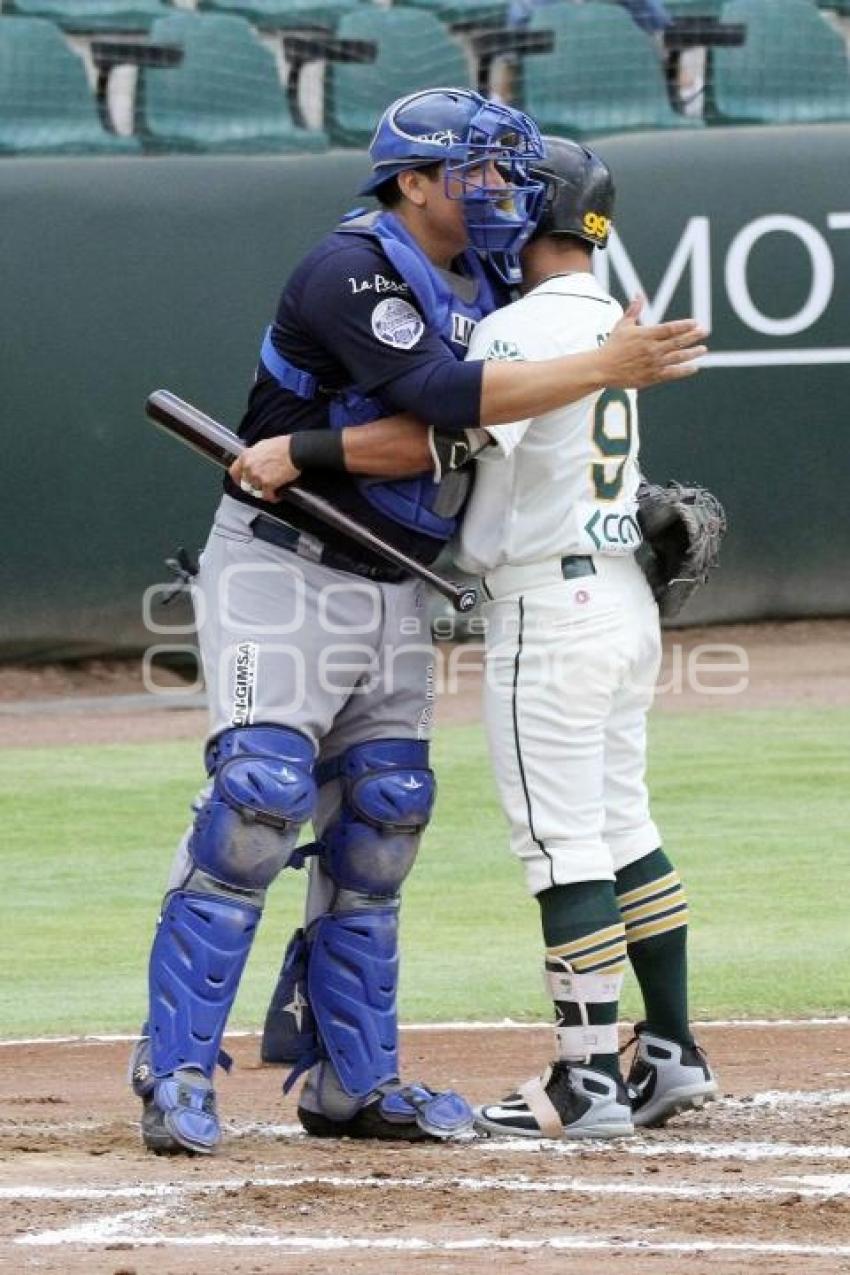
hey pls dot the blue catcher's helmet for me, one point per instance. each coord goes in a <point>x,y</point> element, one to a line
<point>463,130</point>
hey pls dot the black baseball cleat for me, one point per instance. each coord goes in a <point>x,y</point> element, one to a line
<point>368,1122</point>
<point>180,1118</point>
<point>179,1114</point>
<point>667,1078</point>
<point>408,1113</point>
<point>567,1101</point>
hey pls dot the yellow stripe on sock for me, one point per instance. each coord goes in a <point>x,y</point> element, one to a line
<point>644,891</point>
<point>581,945</point>
<point>597,953</point>
<point>612,962</point>
<point>651,928</point>
<point>647,910</point>
<point>601,953</point>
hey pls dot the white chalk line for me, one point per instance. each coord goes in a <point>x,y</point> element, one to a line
<point>776,1099</point>
<point>503,1024</point>
<point>108,1230</point>
<point>747,1152</point>
<point>810,1187</point>
<point>813,1187</point>
<point>9,1129</point>
<point>656,1147</point>
<point>838,1181</point>
<point>58,1128</point>
<point>130,1227</point>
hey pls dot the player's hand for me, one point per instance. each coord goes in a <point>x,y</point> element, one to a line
<point>635,357</point>
<point>263,469</point>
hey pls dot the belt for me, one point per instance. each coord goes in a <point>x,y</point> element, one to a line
<point>577,564</point>
<point>311,548</point>
<point>508,579</point>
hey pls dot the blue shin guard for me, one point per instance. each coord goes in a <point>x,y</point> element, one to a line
<point>198,955</point>
<point>289,1034</point>
<point>354,1091</point>
<point>335,999</point>
<point>352,978</point>
<point>197,960</point>
<point>245,830</point>
<point>333,1013</point>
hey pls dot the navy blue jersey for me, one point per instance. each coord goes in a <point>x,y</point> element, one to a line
<point>347,317</point>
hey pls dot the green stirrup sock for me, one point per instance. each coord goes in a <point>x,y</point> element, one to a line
<point>571,914</point>
<point>655,912</point>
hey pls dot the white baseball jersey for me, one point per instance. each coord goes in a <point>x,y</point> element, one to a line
<point>563,483</point>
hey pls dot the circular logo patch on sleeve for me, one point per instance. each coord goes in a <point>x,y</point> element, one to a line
<point>395,322</point>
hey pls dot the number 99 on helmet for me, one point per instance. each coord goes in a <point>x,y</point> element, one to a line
<point>578,196</point>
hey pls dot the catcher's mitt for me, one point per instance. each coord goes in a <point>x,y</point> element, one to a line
<point>682,529</point>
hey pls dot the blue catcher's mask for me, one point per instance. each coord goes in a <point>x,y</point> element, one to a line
<point>464,131</point>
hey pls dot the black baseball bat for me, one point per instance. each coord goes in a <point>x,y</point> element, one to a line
<point>219,444</point>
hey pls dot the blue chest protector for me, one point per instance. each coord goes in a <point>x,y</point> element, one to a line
<point>413,502</point>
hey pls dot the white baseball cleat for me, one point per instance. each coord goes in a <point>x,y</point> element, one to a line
<point>667,1078</point>
<point>567,1101</point>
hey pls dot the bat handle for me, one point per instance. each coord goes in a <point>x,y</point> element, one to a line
<point>464,598</point>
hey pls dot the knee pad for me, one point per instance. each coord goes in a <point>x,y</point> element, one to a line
<point>263,791</point>
<point>198,956</point>
<point>388,794</point>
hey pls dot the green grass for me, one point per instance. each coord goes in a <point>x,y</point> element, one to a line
<point>753,808</point>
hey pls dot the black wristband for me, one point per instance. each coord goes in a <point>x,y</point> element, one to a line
<point>317,449</point>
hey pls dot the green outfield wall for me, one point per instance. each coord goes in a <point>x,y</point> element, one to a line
<point>118,276</point>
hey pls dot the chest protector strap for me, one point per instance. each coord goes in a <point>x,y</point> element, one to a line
<point>287,375</point>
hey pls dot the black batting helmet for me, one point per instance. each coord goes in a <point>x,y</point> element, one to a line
<point>579,192</point>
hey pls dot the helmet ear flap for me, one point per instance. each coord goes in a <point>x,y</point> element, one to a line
<point>545,222</point>
<point>579,194</point>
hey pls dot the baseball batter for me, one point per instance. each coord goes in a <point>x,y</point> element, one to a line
<point>572,656</point>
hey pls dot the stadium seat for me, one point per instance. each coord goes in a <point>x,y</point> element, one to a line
<point>86,16</point>
<point>284,15</point>
<point>414,52</point>
<point>463,12</point>
<point>226,94</point>
<point>841,7</point>
<point>694,8</point>
<point>46,106</point>
<point>791,69</point>
<point>603,76</point>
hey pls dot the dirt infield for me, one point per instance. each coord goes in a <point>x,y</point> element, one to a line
<point>760,1181</point>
